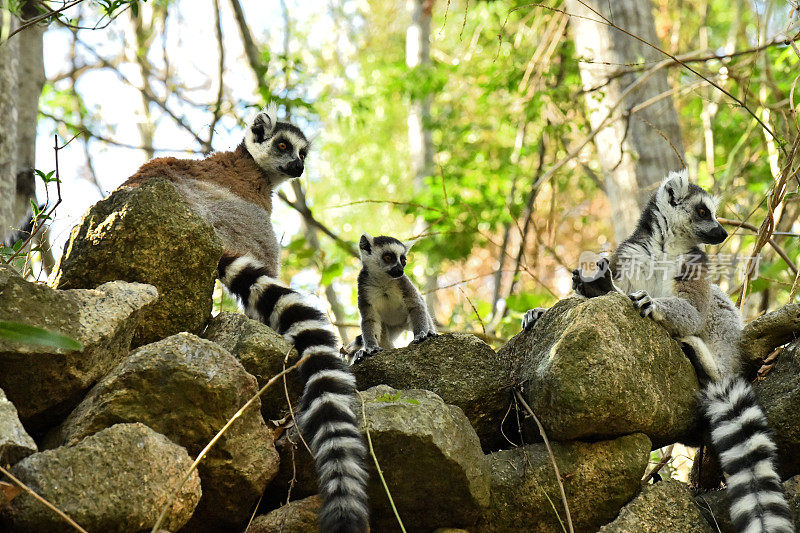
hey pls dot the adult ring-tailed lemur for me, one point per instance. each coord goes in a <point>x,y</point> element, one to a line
<point>233,191</point>
<point>665,273</point>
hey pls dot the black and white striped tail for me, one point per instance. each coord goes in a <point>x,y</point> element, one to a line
<point>327,418</point>
<point>743,442</point>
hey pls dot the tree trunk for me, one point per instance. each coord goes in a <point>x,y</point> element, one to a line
<point>29,87</point>
<point>9,74</point>
<point>420,139</point>
<point>632,149</point>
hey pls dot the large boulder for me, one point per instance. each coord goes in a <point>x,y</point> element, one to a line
<point>595,369</point>
<point>460,368</point>
<point>431,459</point>
<point>187,388</point>
<point>15,443</point>
<point>429,454</point>
<point>263,353</point>
<point>299,516</point>
<point>665,507</point>
<point>117,480</point>
<point>45,382</point>
<point>779,395</point>
<point>150,235</point>
<point>599,478</point>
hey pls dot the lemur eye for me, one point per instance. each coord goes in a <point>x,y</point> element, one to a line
<point>702,212</point>
<point>302,156</point>
<point>403,260</point>
<point>282,147</point>
<point>388,258</point>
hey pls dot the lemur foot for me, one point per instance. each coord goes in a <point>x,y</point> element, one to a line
<point>591,285</point>
<point>531,316</point>
<point>643,303</point>
<point>363,353</point>
<point>430,334</point>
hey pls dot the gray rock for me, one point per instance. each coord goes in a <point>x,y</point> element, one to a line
<point>262,352</point>
<point>150,235</point>
<point>596,369</point>
<point>665,507</point>
<point>460,368</point>
<point>429,454</point>
<point>44,383</point>
<point>599,478</point>
<point>15,443</point>
<point>715,506</point>
<point>299,516</point>
<point>431,459</point>
<point>779,395</point>
<point>187,388</point>
<point>117,480</point>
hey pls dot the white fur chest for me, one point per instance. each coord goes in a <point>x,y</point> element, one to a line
<point>641,271</point>
<point>387,300</point>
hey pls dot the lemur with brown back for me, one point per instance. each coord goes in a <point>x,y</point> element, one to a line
<point>233,191</point>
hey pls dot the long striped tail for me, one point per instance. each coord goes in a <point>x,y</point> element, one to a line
<point>743,441</point>
<point>327,418</point>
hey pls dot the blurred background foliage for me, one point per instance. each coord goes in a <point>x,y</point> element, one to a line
<point>507,105</point>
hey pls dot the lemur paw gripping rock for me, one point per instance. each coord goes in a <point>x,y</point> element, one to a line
<point>188,388</point>
<point>117,480</point>
<point>150,235</point>
<point>596,369</point>
<point>460,368</point>
<point>43,382</point>
<point>598,478</point>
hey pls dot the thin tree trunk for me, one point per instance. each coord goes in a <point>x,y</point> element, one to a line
<point>420,139</point>
<point>9,75</point>
<point>635,151</point>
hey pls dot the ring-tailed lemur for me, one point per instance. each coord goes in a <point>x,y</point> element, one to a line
<point>664,272</point>
<point>233,191</point>
<point>388,301</point>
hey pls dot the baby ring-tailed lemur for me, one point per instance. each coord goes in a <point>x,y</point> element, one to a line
<point>233,191</point>
<point>388,302</point>
<point>665,273</point>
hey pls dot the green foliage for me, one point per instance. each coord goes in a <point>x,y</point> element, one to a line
<point>27,334</point>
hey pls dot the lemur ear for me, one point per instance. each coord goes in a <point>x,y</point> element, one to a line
<point>365,244</point>
<point>264,123</point>
<point>675,187</point>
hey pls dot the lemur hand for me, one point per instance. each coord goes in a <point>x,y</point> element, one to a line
<point>363,353</point>
<point>643,303</point>
<point>531,316</point>
<point>423,335</point>
<point>591,285</point>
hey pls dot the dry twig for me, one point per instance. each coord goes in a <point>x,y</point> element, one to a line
<point>219,435</point>
<point>527,407</point>
<point>44,502</point>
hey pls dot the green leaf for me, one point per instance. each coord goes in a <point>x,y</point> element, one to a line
<point>331,272</point>
<point>26,334</point>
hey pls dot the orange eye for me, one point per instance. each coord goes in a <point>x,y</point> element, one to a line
<point>302,156</point>
<point>282,147</point>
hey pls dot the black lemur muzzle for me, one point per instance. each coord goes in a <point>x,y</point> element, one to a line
<point>715,236</point>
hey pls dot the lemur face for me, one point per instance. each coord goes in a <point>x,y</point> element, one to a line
<point>689,210</point>
<point>383,255</point>
<point>279,148</point>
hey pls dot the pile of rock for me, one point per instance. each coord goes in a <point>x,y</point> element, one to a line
<point>120,421</point>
